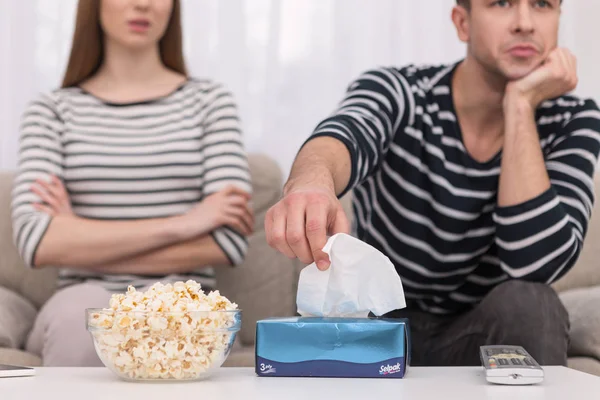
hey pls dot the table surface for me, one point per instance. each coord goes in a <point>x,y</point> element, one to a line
<point>465,383</point>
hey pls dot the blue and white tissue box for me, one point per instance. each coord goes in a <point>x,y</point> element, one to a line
<point>332,347</point>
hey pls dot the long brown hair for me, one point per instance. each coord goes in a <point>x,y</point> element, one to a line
<point>87,50</point>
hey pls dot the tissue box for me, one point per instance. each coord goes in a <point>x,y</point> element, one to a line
<point>332,347</point>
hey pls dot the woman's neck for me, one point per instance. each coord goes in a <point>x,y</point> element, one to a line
<point>128,75</point>
<point>124,66</point>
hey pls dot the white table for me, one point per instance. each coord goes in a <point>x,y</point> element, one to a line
<point>241,383</point>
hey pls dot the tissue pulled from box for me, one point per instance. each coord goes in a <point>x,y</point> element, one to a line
<point>360,280</point>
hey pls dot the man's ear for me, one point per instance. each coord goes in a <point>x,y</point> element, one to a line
<point>460,18</point>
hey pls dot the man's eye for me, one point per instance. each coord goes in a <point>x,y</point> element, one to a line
<point>542,4</point>
<point>501,3</point>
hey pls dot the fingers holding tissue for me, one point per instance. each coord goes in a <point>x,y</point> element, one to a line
<point>360,280</point>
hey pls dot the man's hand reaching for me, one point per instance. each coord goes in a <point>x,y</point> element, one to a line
<point>299,224</point>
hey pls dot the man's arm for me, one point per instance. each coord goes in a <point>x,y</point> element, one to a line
<point>523,173</point>
<point>544,205</point>
<point>323,162</point>
<point>298,225</point>
<point>344,150</point>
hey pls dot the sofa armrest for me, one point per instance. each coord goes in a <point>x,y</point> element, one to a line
<point>584,317</point>
<point>263,285</point>
<point>17,316</point>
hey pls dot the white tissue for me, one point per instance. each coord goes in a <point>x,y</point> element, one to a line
<point>360,279</point>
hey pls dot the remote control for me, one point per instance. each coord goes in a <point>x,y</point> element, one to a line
<point>510,365</point>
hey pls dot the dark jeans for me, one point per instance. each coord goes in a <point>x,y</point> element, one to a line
<point>514,313</point>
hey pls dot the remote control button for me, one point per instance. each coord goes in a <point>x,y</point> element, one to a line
<point>503,361</point>
<point>520,352</point>
<point>489,352</point>
<point>528,362</point>
<point>516,361</point>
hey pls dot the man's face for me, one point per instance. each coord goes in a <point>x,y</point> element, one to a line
<point>512,37</point>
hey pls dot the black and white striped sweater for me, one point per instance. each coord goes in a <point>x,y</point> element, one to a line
<point>423,201</point>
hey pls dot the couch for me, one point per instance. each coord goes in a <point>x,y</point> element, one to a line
<point>265,285</point>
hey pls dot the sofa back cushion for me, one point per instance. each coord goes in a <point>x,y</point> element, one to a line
<point>35,285</point>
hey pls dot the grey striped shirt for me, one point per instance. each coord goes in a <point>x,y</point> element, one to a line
<point>149,159</point>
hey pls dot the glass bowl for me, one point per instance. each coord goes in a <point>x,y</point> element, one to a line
<point>159,346</point>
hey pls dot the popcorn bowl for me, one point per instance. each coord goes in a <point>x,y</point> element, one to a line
<point>163,346</point>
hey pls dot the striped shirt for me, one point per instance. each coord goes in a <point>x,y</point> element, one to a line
<point>432,209</point>
<point>149,159</point>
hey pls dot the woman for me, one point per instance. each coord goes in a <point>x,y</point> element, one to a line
<point>131,173</point>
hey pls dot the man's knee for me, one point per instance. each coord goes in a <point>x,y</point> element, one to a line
<point>527,303</point>
<point>529,315</point>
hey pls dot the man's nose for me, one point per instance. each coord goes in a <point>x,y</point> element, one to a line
<point>523,19</point>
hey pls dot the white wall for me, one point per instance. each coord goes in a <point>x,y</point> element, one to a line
<point>580,32</point>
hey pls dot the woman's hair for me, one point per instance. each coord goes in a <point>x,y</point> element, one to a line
<point>87,50</point>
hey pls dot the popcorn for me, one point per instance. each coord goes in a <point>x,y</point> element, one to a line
<point>172,331</point>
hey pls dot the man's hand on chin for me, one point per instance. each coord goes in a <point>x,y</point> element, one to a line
<point>555,77</point>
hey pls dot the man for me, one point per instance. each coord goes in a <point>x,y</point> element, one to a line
<point>475,179</point>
